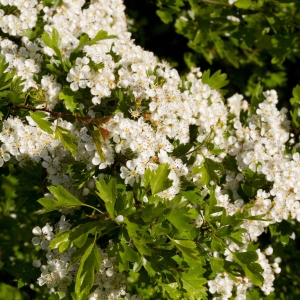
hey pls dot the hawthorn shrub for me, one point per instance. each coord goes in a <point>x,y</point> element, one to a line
<point>130,181</point>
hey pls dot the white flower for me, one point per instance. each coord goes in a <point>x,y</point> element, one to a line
<point>119,219</point>
<point>36,263</point>
<point>269,250</point>
<point>43,236</point>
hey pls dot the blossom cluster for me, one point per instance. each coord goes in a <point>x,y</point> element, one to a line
<point>15,24</point>
<point>59,272</point>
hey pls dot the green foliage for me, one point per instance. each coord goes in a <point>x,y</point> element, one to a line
<point>68,141</point>
<point>70,98</point>
<point>193,282</point>
<point>168,8</point>
<point>63,200</point>
<point>101,35</point>
<point>108,193</point>
<point>89,263</point>
<point>216,81</point>
<point>38,117</point>
<point>295,102</point>
<point>209,169</point>
<point>158,179</point>
<point>15,94</point>
<point>257,97</point>
<point>252,270</point>
<point>54,42</point>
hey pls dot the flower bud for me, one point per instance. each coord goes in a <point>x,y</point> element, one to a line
<point>119,219</point>
<point>36,263</point>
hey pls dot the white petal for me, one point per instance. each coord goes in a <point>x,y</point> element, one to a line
<point>37,230</point>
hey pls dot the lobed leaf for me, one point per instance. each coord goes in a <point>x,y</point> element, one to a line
<point>68,140</point>
<point>108,193</point>
<point>38,118</point>
<point>69,97</point>
<point>187,248</point>
<point>159,179</point>
<point>61,241</point>
<point>63,200</point>
<point>193,283</point>
<point>89,263</point>
<point>252,270</point>
<point>216,81</point>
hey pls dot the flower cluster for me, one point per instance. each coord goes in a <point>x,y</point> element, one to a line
<point>15,24</point>
<point>58,271</point>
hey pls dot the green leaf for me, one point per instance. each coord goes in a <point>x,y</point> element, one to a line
<point>151,267</point>
<point>171,289</point>
<point>296,96</point>
<point>219,265</point>
<point>63,200</point>
<point>116,57</point>
<point>253,294</point>
<point>70,98</point>
<point>96,67</point>
<point>159,179</point>
<point>47,39</point>
<point>229,220</point>
<point>54,296</point>
<point>108,193</point>
<point>50,3</point>
<point>187,248</point>
<point>216,81</point>
<point>83,40</point>
<point>125,254</point>
<point>216,264</point>
<point>89,263</point>
<point>16,95</point>
<point>153,211</point>
<point>125,204</point>
<point>101,35</point>
<point>216,245</point>
<point>38,117</point>
<point>193,283</point>
<point>165,15</point>
<point>79,234</point>
<point>69,141</point>
<point>182,218</point>
<point>213,202</point>
<point>283,230</point>
<point>53,42</point>
<point>97,137</point>
<point>208,170</point>
<point>61,241</point>
<point>294,115</point>
<point>130,254</point>
<point>80,251</point>
<point>252,270</point>
<point>244,4</point>
<point>257,98</point>
<point>3,66</point>
<point>230,164</point>
<point>193,195</point>
<point>137,234</point>
<point>182,150</point>
<point>32,34</point>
